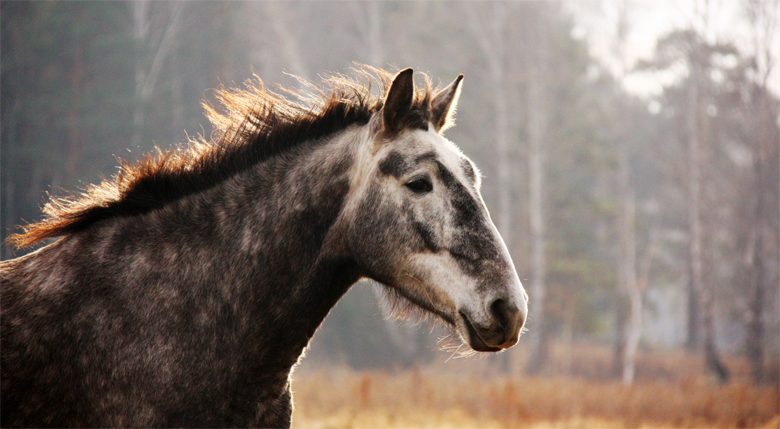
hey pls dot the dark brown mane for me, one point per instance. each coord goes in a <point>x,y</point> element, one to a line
<point>251,125</point>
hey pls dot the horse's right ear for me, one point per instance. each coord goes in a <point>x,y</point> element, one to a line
<point>443,105</point>
<point>398,102</point>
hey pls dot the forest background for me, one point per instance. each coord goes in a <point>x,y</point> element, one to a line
<point>629,147</point>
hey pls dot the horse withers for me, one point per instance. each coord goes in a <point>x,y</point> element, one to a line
<point>182,291</point>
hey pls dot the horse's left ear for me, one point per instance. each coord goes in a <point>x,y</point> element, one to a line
<point>444,104</point>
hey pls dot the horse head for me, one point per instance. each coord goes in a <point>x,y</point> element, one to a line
<point>419,225</point>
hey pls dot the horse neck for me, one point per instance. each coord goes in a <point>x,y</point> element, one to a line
<point>282,219</point>
<point>261,243</point>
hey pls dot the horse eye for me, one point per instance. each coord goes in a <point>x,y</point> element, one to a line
<point>420,185</point>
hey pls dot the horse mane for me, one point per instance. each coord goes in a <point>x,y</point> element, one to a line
<point>251,125</point>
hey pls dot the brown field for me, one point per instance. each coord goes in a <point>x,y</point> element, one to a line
<point>671,391</point>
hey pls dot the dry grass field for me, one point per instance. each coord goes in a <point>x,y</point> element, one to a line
<point>670,392</point>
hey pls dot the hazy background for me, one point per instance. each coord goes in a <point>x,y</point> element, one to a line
<point>630,152</point>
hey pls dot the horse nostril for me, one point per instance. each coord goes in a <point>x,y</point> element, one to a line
<point>501,313</point>
<point>509,318</point>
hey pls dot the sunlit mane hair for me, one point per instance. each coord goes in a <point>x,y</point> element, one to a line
<point>251,125</point>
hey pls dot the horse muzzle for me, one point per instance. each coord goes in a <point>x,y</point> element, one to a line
<point>500,331</point>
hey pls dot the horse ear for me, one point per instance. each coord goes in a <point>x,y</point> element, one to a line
<point>398,102</point>
<point>444,104</point>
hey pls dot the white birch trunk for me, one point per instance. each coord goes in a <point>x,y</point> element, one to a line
<point>537,125</point>
<point>537,289</point>
<point>634,331</point>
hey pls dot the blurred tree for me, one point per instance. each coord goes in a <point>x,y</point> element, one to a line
<point>58,67</point>
<point>712,89</point>
<point>761,114</point>
<point>568,122</point>
<point>86,81</point>
<point>629,326</point>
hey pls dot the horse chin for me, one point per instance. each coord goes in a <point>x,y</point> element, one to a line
<point>397,303</point>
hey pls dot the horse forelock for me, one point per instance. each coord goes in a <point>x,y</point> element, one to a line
<point>251,125</point>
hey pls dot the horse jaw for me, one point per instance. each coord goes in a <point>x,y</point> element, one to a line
<point>485,320</point>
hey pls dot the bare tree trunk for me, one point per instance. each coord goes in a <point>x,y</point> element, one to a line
<point>567,340</point>
<point>761,232</point>
<point>694,193</point>
<point>537,123</point>
<point>692,338</point>
<point>621,322</point>
<point>628,317</point>
<point>696,240</point>
<point>755,327</point>
<point>630,332</point>
<point>763,18</point>
<point>634,330</point>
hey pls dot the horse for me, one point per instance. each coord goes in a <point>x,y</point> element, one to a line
<point>183,290</point>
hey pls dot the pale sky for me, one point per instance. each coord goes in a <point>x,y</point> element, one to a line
<point>596,20</point>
